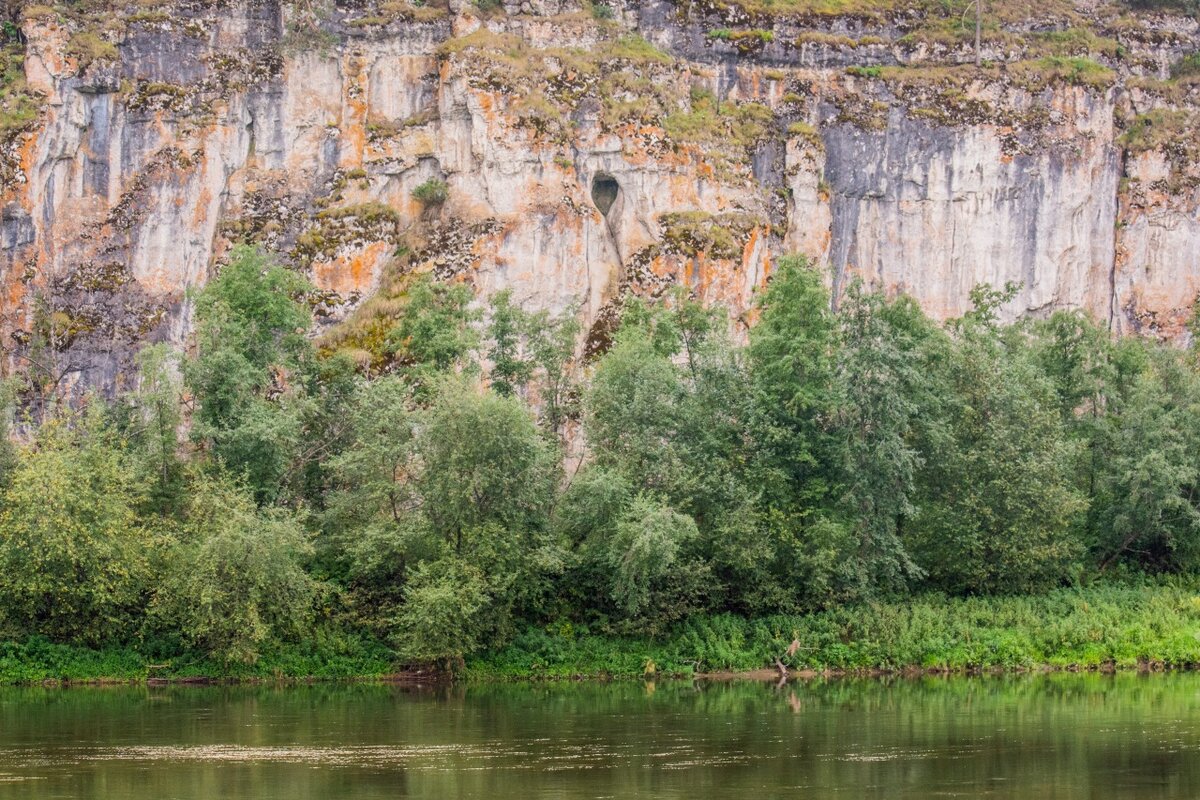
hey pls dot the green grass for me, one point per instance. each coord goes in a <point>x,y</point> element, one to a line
<point>1156,130</point>
<point>634,48</point>
<point>18,106</point>
<point>89,47</point>
<point>1108,626</point>
<point>1077,71</point>
<point>728,35</point>
<point>1076,42</point>
<point>865,72</point>
<point>326,656</point>
<point>1188,66</point>
<point>871,9</point>
<point>711,123</point>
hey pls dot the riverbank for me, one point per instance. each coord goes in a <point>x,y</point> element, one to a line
<point>1099,628</point>
<point>327,657</point>
<point>1102,628</point>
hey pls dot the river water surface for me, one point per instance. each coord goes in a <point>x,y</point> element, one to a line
<point>1030,737</point>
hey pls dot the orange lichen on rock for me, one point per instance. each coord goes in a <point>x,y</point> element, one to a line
<point>357,272</point>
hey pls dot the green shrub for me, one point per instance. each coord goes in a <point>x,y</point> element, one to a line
<point>75,559</point>
<point>432,192</point>
<point>1187,66</point>
<point>440,620</point>
<point>236,582</point>
<point>489,7</point>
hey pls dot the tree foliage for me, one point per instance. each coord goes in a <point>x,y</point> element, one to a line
<point>254,491</point>
<point>236,580</point>
<point>75,559</point>
<point>436,333</point>
<point>251,343</point>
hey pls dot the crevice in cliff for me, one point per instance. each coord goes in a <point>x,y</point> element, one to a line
<point>1122,157</point>
<point>608,197</point>
<point>609,201</point>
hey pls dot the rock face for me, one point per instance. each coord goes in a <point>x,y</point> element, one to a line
<point>933,211</point>
<point>585,155</point>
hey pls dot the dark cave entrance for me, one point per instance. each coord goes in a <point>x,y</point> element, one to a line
<point>605,191</point>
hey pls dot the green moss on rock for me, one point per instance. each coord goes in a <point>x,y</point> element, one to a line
<point>346,227</point>
<point>722,236</point>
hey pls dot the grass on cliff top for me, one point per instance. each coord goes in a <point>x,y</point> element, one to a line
<point>865,9</point>
<point>908,12</point>
<point>885,10</point>
<point>389,11</point>
<point>1122,626</point>
<point>1030,74</point>
<point>1172,133</point>
<point>1049,28</point>
<point>1179,88</point>
<point>634,80</point>
<point>630,47</point>
<point>548,83</point>
<point>1077,71</point>
<point>712,124</point>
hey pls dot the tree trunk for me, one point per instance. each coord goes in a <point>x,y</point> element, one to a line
<point>978,31</point>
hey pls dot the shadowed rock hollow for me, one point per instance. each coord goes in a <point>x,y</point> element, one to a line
<point>605,191</point>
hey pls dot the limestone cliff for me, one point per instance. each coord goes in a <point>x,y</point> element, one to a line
<point>579,154</point>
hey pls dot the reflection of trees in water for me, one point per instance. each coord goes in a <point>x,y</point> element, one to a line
<point>1063,735</point>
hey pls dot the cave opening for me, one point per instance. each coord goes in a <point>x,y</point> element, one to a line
<point>605,191</point>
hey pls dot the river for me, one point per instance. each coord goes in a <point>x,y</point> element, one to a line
<point>1046,736</point>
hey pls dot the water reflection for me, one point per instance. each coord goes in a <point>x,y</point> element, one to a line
<point>1057,736</point>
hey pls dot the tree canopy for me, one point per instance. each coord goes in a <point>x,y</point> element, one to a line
<point>252,490</point>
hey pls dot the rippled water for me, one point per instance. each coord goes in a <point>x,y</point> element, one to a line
<point>1060,736</point>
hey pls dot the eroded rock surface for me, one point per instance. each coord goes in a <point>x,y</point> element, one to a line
<point>589,153</point>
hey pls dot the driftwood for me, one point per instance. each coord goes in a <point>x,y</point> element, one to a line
<point>792,649</point>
